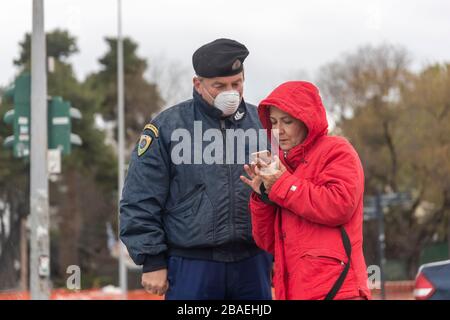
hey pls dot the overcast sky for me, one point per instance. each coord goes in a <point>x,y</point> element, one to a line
<point>286,39</point>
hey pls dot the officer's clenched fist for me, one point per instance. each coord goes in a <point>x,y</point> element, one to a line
<point>155,282</point>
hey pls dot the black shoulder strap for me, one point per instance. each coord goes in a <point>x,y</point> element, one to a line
<point>348,250</point>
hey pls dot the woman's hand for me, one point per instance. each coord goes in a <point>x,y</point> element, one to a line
<point>270,179</point>
<point>255,181</point>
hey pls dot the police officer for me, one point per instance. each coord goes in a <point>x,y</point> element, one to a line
<point>187,222</point>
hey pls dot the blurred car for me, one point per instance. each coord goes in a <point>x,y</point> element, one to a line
<point>433,281</point>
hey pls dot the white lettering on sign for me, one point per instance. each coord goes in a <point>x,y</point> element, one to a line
<point>24,137</point>
<point>60,120</point>
<point>22,120</point>
<point>23,129</point>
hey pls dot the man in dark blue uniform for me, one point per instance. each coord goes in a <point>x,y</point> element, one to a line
<point>184,211</point>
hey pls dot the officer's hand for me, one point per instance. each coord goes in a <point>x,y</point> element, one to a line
<point>155,282</point>
<point>255,181</point>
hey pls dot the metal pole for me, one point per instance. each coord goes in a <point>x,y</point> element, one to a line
<point>40,253</point>
<point>448,234</point>
<point>23,255</point>
<point>121,146</point>
<point>381,242</point>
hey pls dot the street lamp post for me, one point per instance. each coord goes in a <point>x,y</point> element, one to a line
<point>121,145</point>
<point>39,215</point>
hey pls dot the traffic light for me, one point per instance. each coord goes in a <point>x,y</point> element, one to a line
<point>60,115</point>
<point>19,117</point>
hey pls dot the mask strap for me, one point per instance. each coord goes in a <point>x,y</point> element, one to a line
<point>208,93</point>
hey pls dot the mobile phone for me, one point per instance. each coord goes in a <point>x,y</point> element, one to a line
<point>264,155</point>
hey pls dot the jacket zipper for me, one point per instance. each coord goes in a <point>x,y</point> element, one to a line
<point>230,180</point>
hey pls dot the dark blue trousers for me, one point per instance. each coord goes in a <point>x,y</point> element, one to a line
<point>249,279</point>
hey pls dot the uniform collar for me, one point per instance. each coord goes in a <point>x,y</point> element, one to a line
<point>213,112</point>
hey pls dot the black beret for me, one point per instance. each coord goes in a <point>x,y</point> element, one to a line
<point>220,58</point>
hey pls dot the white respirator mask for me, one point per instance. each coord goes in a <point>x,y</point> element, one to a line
<point>227,101</point>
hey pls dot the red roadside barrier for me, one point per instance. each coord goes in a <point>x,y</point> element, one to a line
<point>94,294</point>
<point>395,290</point>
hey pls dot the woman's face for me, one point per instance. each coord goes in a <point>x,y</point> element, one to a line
<point>291,131</point>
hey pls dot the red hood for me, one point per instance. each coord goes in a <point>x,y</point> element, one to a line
<point>302,101</point>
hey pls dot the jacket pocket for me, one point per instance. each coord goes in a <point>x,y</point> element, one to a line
<point>190,223</point>
<point>325,255</point>
<point>317,271</point>
<point>184,200</point>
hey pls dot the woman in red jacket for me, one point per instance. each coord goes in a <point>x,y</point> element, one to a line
<point>309,212</point>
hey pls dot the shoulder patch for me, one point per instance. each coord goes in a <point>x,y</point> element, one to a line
<point>144,142</point>
<point>153,129</point>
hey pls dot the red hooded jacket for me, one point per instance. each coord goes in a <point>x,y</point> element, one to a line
<point>321,191</point>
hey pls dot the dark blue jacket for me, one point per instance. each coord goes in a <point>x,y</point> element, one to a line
<point>190,210</point>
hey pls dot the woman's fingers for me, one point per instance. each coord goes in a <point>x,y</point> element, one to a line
<point>261,164</point>
<point>277,160</point>
<point>250,183</point>
<point>280,165</point>
<point>246,181</point>
<point>249,171</point>
<point>254,184</point>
